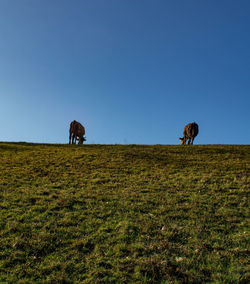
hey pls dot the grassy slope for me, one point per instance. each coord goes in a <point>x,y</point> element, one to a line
<point>123,213</point>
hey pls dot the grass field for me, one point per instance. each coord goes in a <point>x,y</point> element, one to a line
<point>124,213</point>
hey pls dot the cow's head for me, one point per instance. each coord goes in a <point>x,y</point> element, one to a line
<point>81,140</point>
<point>182,140</point>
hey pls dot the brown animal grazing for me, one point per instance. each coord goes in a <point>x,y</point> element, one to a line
<point>190,132</point>
<point>76,130</point>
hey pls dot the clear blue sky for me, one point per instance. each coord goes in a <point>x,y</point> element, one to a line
<point>131,71</point>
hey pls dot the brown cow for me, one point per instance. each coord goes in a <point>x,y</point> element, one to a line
<point>190,132</point>
<point>76,130</point>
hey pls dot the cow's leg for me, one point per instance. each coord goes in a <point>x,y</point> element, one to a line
<point>189,140</point>
<point>192,140</point>
<point>69,138</point>
<point>75,137</point>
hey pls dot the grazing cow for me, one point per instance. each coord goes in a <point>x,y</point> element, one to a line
<point>76,130</point>
<point>190,132</point>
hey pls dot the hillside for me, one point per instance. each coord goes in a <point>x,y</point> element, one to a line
<point>124,213</point>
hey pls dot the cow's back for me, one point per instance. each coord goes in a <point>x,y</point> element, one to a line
<point>191,130</point>
<point>76,128</point>
<point>80,129</point>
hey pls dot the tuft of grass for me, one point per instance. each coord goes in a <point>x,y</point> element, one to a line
<point>124,213</point>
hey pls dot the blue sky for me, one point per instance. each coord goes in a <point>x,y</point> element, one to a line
<point>131,71</point>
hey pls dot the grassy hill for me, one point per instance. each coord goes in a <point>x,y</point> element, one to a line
<point>123,213</point>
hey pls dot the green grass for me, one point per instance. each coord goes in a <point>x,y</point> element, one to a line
<point>124,214</point>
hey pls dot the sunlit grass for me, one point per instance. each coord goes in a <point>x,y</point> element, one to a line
<point>124,214</point>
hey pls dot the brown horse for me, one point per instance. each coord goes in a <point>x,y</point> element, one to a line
<point>76,130</point>
<point>190,132</point>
